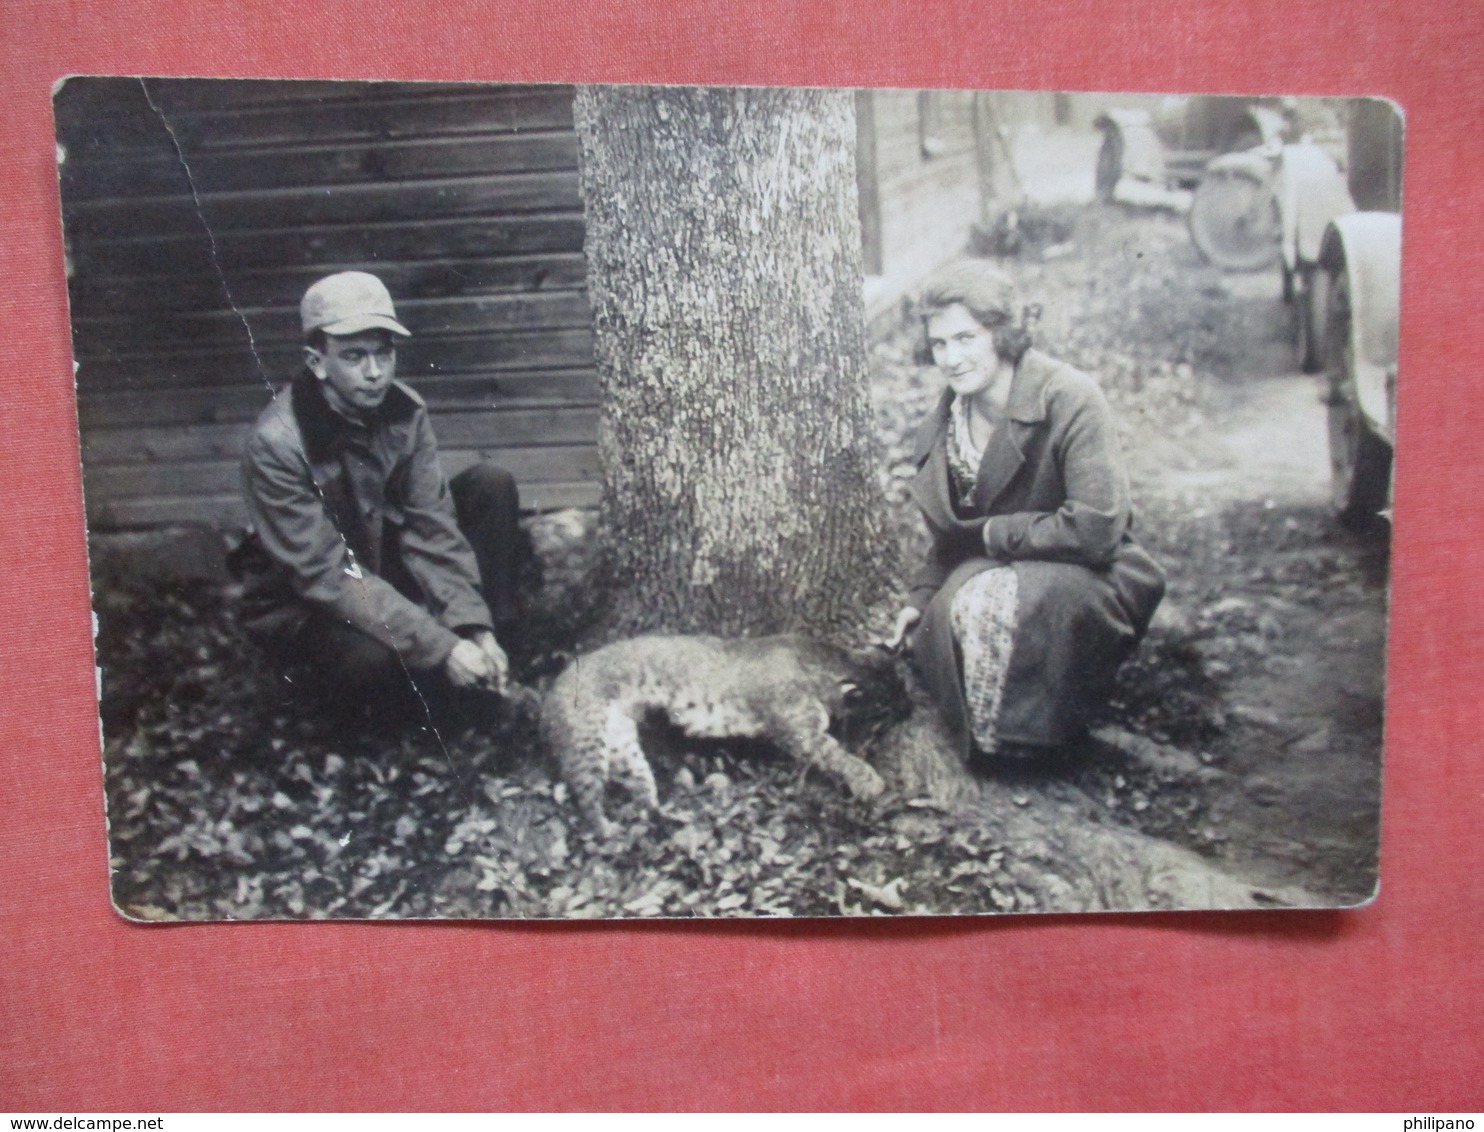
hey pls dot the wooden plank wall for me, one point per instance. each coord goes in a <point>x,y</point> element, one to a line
<point>185,275</point>
<point>927,198</point>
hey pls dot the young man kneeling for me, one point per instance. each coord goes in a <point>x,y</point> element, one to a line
<point>364,566</point>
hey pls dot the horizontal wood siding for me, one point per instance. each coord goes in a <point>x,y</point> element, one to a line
<point>929,197</point>
<point>186,274</point>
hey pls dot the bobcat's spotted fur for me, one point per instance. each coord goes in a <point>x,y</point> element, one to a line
<point>788,691</point>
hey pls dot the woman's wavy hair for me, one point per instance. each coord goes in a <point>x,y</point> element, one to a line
<point>985,292</point>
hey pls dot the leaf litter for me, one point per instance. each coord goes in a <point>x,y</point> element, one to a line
<point>231,797</point>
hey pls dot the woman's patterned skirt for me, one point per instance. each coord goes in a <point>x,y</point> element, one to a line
<point>983,622</point>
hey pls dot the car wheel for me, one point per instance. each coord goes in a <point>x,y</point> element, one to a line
<point>1311,302</point>
<point>1360,461</point>
<point>1234,220</point>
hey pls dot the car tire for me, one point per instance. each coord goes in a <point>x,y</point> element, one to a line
<point>1360,461</point>
<point>1234,220</point>
<point>1311,300</point>
<point>1360,466</point>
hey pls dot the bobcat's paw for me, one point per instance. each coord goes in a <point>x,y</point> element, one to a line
<point>865,783</point>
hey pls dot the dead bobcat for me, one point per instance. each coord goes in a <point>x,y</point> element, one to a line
<point>791,692</point>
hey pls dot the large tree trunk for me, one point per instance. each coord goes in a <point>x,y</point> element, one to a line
<point>724,270</point>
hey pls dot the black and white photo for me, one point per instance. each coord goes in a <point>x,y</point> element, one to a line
<point>618,501</point>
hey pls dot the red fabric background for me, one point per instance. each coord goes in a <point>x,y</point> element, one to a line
<point>1375,1009</point>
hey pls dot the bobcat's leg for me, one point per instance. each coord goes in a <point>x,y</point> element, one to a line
<point>585,769</point>
<point>805,736</point>
<point>626,760</point>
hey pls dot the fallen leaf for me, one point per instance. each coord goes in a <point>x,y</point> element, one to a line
<point>887,895</point>
<point>689,839</point>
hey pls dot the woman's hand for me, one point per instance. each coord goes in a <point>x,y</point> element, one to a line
<point>907,617</point>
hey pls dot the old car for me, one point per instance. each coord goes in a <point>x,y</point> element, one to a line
<point>1228,150</point>
<point>1349,304</point>
<point>1216,145</point>
<point>1312,186</point>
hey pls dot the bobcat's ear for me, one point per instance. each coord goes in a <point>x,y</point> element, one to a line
<point>850,690</point>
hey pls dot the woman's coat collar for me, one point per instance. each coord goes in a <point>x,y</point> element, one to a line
<point>1027,402</point>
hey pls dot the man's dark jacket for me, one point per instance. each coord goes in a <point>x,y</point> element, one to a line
<point>356,520</point>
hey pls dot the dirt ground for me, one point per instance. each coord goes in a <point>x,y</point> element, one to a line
<point>1240,765</point>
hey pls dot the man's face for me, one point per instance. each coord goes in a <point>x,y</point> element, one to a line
<point>357,370</point>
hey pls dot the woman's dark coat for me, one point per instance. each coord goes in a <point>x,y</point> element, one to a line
<point>1052,499</point>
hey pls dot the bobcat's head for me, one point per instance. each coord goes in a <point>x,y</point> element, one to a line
<point>863,689</point>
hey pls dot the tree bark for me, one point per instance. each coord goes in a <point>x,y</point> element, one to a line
<point>724,270</point>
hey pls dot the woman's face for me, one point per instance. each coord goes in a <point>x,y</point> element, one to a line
<point>962,349</point>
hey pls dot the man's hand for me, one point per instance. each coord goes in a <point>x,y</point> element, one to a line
<point>907,617</point>
<point>499,662</point>
<point>469,666</point>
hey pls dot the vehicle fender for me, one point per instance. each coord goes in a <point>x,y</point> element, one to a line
<point>1311,192</point>
<point>1143,156</point>
<point>1367,247</point>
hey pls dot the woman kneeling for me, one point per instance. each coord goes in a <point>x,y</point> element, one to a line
<point>1033,591</point>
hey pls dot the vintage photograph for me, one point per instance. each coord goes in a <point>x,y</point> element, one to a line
<point>615,501</point>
